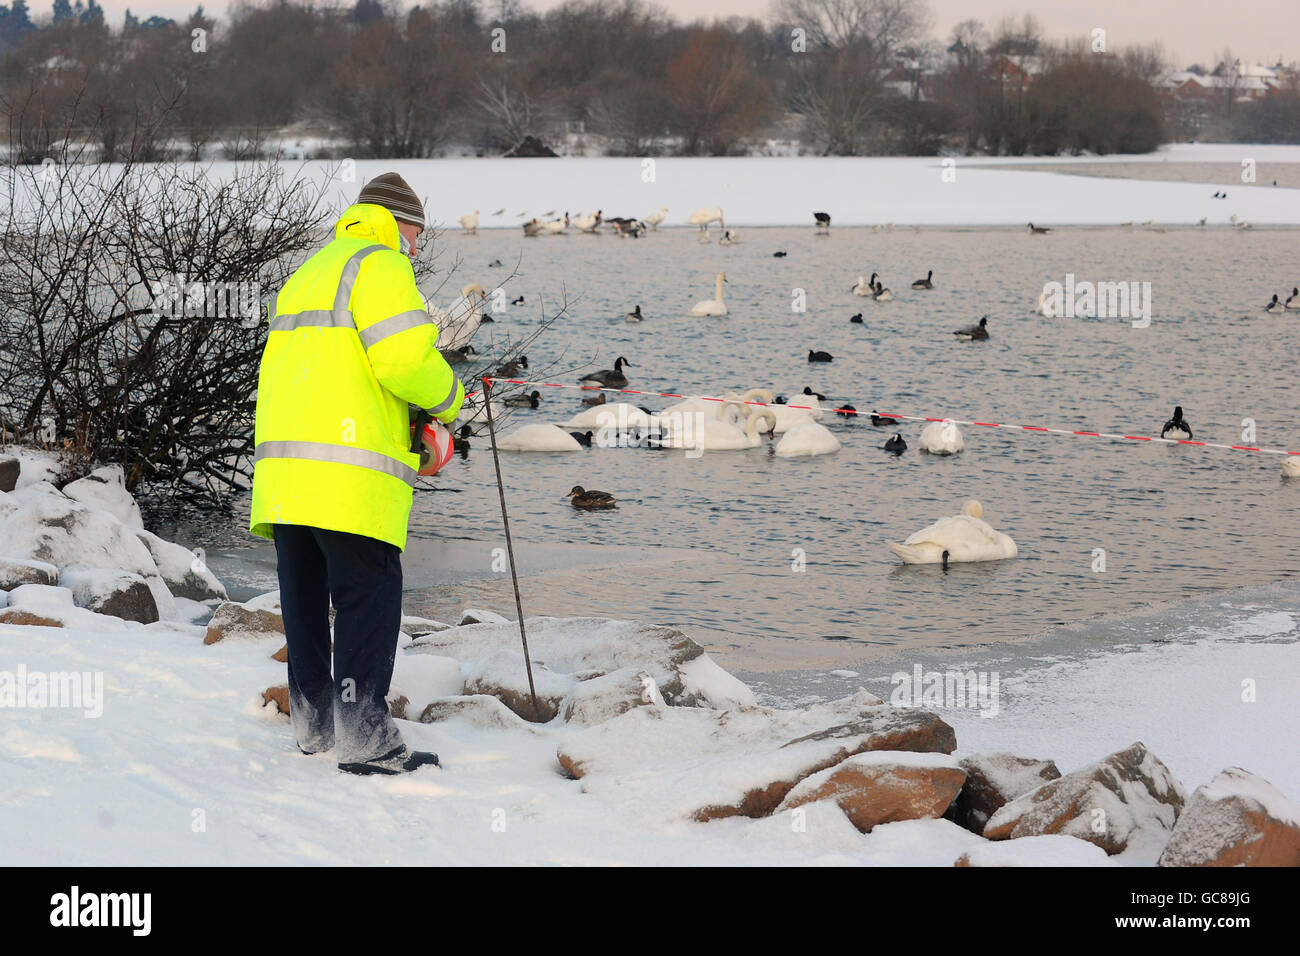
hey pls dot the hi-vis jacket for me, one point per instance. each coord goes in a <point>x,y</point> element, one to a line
<point>350,344</point>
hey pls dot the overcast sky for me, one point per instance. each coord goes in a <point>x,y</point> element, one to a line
<point>1189,30</point>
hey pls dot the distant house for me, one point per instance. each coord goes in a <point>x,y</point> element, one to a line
<point>1016,72</point>
<point>58,68</point>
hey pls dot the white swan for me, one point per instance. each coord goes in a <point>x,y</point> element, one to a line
<point>864,288</point>
<point>785,416</point>
<point>963,537</point>
<point>703,217</point>
<point>807,439</point>
<point>618,415</point>
<point>458,323</point>
<point>942,438</point>
<point>729,238</point>
<point>556,226</point>
<point>655,218</point>
<point>588,223</point>
<point>1291,467</point>
<point>470,223</point>
<point>722,432</point>
<point>538,438</point>
<point>714,306</point>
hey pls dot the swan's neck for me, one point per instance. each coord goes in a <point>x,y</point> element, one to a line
<point>717,285</point>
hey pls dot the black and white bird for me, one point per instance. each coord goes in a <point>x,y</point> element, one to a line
<point>895,444</point>
<point>973,332</point>
<point>635,315</point>
<point>881,294</point>
<point>1276,305</point>
<point>823,221</point>
<point>518,301</point>
<point>531,400</point>
<point>881,420</point>
<point>1177,426</point>
<point>1038,230</point>
<point>1293,300</point>
<point>846,411</point>
<point>815,356</point>
<point>609,377</point>
<point>926,283</point>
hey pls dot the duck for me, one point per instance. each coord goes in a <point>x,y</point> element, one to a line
<point>881,294</point>
<point>714,306</point>
<point>864,286</point>
<point>729,238</point>
<point>926,283</point>
<point>589,223</point>
<point>1177,427</point>
<point>512,368</point>
<point>538,438</point>
<point>704,217</point>
<point>895,444</point>
<point>635,315</point>
<point>879,420</point>
<point>974,332</point>
<point>592,400</point>
<point>458,322</point>
<point>494,264</point>
<point>816,356</point>
<point>532,228</point>
<point>942,438</point>
<point>458,356</point>
<point>856,319</point>
<point>779,254</point>
<point>460,440</point>
<point>1291,467</point>
<point>822,220</point>
<point>656,217</point>
<point>627,227</point>
<point>470,223</point>
<point>1293,300</point>
<point>582,438</point>
<point>847,411</point>
<point>1275,306</point>
<point>586,500</point>
<point>964,537</point>
<point>531,400</point>
<point>1038,230</point>
<point>609,377</point>
<point>518,301</point>
<point>807,440</point>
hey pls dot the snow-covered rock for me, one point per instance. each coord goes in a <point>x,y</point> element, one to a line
<point>105,489</point>
<point>477,710</point>
<point>1237,819</point>
<point>475,615</point>
<point>1127,797</point>
<point>247,620</point>
<point>603,698</point>
<point>48,526</point>
<point>14,572</point>
<point>884,787</point>
<point>419,626</point>
<point>422,678</point>
<point>185,575</point>
<point>992,780</point>
<point>503,674</point>
<point>113,592</point>
<point>1045,850</point>
<point>703,764</point>
<point>40,605</point>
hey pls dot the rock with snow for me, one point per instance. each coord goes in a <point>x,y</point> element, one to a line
<point>1125,798</point>
<point>474,615</point>
<point>50,527</point>
<point>185,574</point>
<point>278,695</point>
<point>9,471</point>
<point>422,678</point>
<point>14,572</point>
<point>105,489</point>
<point>113,592</point>
<point>503,675</point>
<point>884,787</point>
<point>703,764</point>
<point>992,780</point>
<point>248,620</point>
<point>1237,819</point>
<point>477,710</point>
<point>420,626</point>
<point>605,697</point>
<point>40,605</point>
<point>1044,850</point>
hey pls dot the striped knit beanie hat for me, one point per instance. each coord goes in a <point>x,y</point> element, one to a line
<point>391,191</point>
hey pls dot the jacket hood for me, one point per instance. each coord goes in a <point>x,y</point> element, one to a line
<point>365,220</point>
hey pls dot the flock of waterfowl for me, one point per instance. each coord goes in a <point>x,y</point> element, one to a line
<point>789,428</point>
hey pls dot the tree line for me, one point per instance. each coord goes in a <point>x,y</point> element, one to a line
<point>618,77</point>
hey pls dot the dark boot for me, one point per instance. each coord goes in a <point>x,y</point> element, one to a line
<point>400,760</point>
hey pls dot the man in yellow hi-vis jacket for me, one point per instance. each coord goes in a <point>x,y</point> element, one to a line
<point>351,347</point>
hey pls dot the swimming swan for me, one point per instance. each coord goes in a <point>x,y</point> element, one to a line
<point>963,537</point>
<point>807,439</point>
<point>942,438</point>
<point>538,438</point>
<point>714,306</point>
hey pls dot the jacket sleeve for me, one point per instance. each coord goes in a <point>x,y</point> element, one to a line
<point>400,337</point>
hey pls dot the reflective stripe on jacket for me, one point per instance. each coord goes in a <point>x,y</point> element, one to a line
<point>350,345</point>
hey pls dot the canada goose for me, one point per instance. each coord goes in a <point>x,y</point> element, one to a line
<point>974,332</point>
<point>822,221</point>
<point>470,223</point>
<point>1275,305</point>
<point>582,438</point>
<point>779,255</point>
<point>856,319</point>
<point>1038,230</point>
<point>895,444</point>
<point>458,356</point>
<point>635,315</point>
<point>807,390</point>
<point>814,356</point>
<point>1293,300</point>
<point>881,294</point>
<point>531,400</point>
<point>494,264</point>
<point>879,420</point>
<point>532,228</point>
<point>511,369</point>
<point>1177,427</point>
<point>926,283</point>
<point>1216,195</point>
<point>608,378</point>
<point>729,238</point>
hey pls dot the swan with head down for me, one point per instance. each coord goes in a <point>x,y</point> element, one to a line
<point>963,537</point>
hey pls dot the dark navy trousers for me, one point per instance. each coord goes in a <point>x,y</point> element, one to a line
<point>347,709</point>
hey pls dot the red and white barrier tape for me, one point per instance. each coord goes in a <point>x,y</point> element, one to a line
<point>908,418</point>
